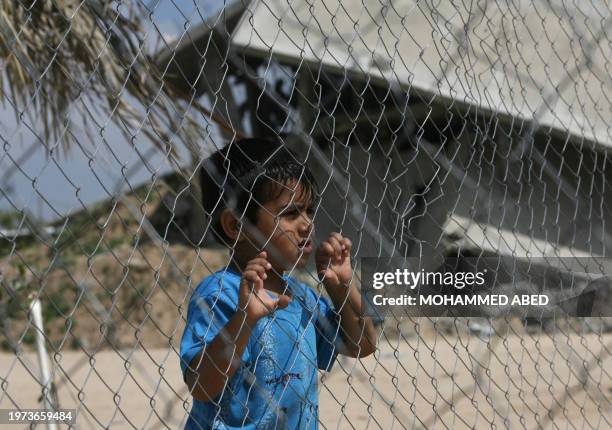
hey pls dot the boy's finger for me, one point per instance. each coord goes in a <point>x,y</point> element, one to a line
<point>327,249</point>
<point>261,275</point>
<point>283,301</point>
<point>261,261</point>
<point>252,279</point>
<point>262,254</point>
<point>258,268</point>
<point>329,275</point>
<point>269,303</point>
<point>337,249</point>
<point>336,244</point>
<point>347,244</point>
<point>337,236</point>
<point>344,241</point>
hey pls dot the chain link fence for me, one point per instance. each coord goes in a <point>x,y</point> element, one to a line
<point>434,129</point>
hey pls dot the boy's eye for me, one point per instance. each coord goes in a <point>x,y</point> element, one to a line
<point>291,213</point>
<point>294,213</point>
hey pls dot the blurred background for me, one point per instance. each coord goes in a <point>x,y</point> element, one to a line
<point>473,129</point>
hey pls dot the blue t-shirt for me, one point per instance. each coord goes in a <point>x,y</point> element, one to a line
<point>276,385</point>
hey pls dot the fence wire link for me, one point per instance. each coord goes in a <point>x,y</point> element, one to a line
<point>434,129</point>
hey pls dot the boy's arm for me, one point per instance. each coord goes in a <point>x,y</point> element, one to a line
<point>218,361</point>
<point>358,330</point>
<point>334,268</point>
<point>209,371</point>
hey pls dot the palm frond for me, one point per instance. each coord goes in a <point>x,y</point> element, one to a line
<point>62,58</point>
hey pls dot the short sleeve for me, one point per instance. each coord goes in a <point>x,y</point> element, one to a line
<point>327,330</point>
<point>210,308</point>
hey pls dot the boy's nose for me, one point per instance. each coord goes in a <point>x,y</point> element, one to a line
<point>305,224</point>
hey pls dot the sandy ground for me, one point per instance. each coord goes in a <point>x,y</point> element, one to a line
<point>435,381</point>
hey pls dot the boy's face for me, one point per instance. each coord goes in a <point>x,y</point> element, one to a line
<point>285,225</point>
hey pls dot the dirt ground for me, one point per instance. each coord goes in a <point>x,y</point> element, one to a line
<point>430,380</point>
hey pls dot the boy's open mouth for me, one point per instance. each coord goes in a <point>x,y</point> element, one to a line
<point>305,245</point>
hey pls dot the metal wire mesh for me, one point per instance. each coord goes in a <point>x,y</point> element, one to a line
<point>434,129</point>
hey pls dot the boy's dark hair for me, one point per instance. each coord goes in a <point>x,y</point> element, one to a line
<point>242,176</point>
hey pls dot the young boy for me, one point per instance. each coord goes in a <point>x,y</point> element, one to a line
<point>255,337</point>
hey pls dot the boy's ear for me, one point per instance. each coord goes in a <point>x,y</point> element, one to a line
<point>230,224</point>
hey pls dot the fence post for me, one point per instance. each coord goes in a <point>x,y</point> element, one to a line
<point>43,359</point>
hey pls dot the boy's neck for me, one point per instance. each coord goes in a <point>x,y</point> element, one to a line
<point>274,282</point>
